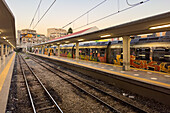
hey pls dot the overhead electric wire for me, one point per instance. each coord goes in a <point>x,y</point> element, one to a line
<point>133,4</point>
<point>112,14</point>
<point>85,13</point>
<point>44,14</point>
<point>35,13</point>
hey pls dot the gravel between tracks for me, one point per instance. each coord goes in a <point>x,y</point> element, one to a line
<point>150,105</point>
<point>18,100</point>
<point>69,98</point>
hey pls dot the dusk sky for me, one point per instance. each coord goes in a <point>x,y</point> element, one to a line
<point>64,11</point>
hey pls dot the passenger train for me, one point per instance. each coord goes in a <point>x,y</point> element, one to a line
<point>151,53</point>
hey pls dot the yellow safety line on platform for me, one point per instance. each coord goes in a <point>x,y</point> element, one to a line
<point>113,72</point>
<point>5,72</point>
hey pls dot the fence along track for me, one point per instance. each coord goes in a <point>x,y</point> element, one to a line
<point>54,107</point>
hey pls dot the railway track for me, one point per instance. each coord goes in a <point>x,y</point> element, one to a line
<point>40,99</point>
<point>100,95</point>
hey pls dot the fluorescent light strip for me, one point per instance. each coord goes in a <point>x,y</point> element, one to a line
<point>159,27</point>
<point>80,39</point>
<point>145,34</point>
<point>105,36</point>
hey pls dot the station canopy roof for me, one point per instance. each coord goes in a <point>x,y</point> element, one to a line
<point>7,25</point>
<point>151,24</point>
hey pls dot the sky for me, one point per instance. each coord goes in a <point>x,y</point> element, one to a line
<point>65,11</point>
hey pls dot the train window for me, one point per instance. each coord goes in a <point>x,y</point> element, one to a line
<point>132,51</point>
<point>142,53</point>
<point>161,55</point>
<point>102,52</point>
<point>87,51</point>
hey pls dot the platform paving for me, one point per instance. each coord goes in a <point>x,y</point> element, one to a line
<point>6,69</point>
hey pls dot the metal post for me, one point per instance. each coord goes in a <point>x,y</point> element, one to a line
<point>2,51</point>
<point>6,50</point>
<point>77,50</point>
<point>126,53</point>
<point>42,50</point>
<point>38,50</point>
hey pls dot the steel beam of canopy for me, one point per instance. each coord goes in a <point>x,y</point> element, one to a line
<point>137,27</point>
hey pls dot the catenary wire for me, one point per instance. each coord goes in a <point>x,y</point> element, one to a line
<point>133,4</point>
<point>85,13</point>
<point>112,14</point>
<point>35,13</point>
<point>44,14</point>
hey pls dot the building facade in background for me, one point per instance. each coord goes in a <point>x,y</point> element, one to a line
<point>28,38</point>
<point>53,33</point>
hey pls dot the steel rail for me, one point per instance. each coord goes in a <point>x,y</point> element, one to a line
<point>26,82</point>
<point>43,86</point>
<point>102,91</point>
<point>101,101</point>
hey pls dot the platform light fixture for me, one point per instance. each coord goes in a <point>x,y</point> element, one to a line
<point>67,41</point>
<point>161,26</point>
<point>0,32</point>
<point>58,43</point>
<point>145,34</point>
<point>103,36</point>
<point>80,39</point>
<point>4,38</point>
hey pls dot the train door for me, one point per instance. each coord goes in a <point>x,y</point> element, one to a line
<point>101,55</point>
<point>116,56</point>
<point>72,51</point>
<point>108,51</point>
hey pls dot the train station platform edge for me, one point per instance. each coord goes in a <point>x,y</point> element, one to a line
<point>126,74</point>
<point>5,80</point>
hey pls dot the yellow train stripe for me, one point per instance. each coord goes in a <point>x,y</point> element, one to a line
<point>5,72</point>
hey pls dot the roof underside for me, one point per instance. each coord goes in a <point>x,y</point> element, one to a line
<point>7,24</point>
<point>132,28</point>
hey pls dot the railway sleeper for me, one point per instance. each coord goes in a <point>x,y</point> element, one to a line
<point>40,98</point>
<point>46,108</point>
<point>42,102</point>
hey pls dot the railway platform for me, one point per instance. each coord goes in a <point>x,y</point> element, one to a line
<point>6,70</point>
<point>135,80</point>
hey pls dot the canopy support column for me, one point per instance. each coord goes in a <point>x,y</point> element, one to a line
<point>77,50</point>
<point>126,53</point>
<point>59,50</point>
